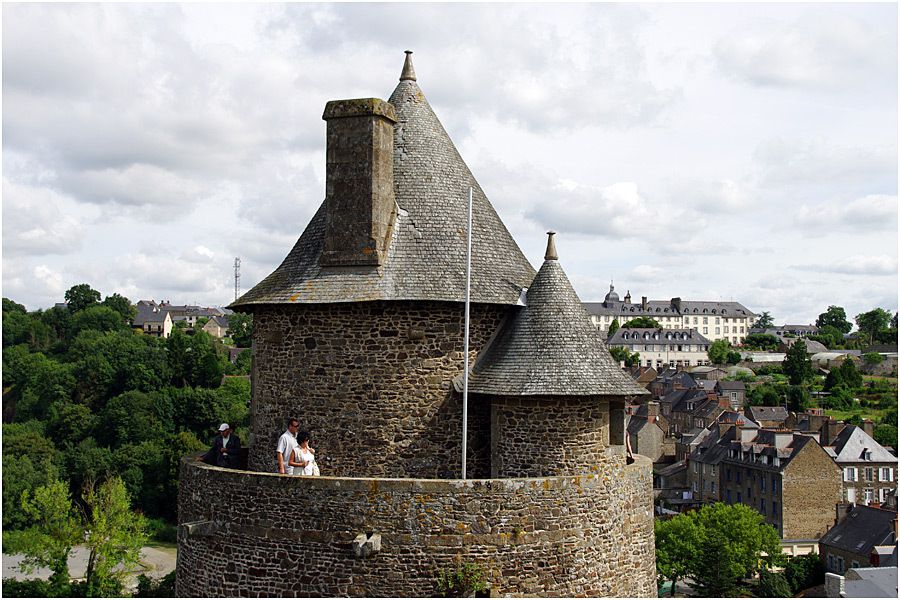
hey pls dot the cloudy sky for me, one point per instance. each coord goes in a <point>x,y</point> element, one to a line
<point>713,152</point>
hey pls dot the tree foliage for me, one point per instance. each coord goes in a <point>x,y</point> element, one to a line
<point>717,546</point>
<point>718,352</point>
<point>121,305</point>
<point>642,323</point>
<point>834,316</point>
<point>240,328</point>
<point>761,341</point>
<point>796,363</point>
<point>764,321</point>
<point>81,296</point>
<point>803,572</point>
<point>613,328</point>
<point>621,354</point>
<point>873,325</point>
<point>773,585</point>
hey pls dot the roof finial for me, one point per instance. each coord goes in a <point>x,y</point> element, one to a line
<point>551,247</point>
<point>408,74</point>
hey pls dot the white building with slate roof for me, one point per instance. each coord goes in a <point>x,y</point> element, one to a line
<point>714,320</point>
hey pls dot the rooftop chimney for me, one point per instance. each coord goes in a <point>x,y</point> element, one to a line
<point>359,181</point>
<point>652,411</point>
<point>551,253</point>
<point>644,303</point>
<point>628,297</point>
<point>869,427</point>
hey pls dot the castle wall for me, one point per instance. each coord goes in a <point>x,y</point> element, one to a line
<point>246,534</point>
<point>371,382</point>
<point>546,436</point>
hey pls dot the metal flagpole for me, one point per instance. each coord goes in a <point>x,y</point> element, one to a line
<point>465,415</point>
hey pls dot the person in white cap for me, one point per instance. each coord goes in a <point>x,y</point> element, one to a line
<point>225,450</point>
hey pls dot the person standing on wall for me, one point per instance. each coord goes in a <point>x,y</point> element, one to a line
<point>226,449</point>
<point>285,449</point>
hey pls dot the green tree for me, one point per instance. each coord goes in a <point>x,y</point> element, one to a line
<point>677,545</point>
<point>718,351</point>
<point>764,321</point>
<point>121,305</point>
<point>797,398</point>
<point>872,323</point>
<point>15,328</point>
<point>761,341</point>
<point>872,358</point>
<point>53,530</point>
<point>613,327</point>
<point>835,317</point>
<point>642,323</point>
<point>96,318</point>
<point>240,328</point>
<point>81,296</point>
<point>831,336</point>
<point>803,572</point>
<point>9,306</point>
<point>764,395</point>
<point>884,434</point>
<point>732,357</point>
<point>114,537</point>
<point>796,363</point>
<point>773,585</point>
<point>734,537</point>
<point>621,354</point>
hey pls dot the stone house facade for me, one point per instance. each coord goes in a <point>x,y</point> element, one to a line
<point>868,471</point>
<point>785,476</point>
<point>360,333</point>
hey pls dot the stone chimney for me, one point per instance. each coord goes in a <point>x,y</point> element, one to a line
<point>830,431</point>
<point>652,412</point>
<point>815,422</point>
<point>644,303</point>
<point>360,208</point>
<point>676,302</point>
<point>869,427</point>
<point>627,297</point>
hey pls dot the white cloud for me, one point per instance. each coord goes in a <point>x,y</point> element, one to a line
<point>34,222</point>
<point>863,215</point>
<point>823,162</point>
<point>816,51</point>
<point>646,273</point>
<point>855,265</point>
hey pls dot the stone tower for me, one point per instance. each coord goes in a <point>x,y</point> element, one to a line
<point>359,334</point>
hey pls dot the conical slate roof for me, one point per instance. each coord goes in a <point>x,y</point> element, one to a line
<point>550,348</point>
<point>427,255</point>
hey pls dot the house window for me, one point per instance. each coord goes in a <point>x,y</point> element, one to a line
<point>885,474</point>
<point>706,330</point>
<point>762,483</point>
<point>737,476</point>
<point>883,493</point>
<point>774,484</point>
<point>762,507</point>
<point>849,473</point>
<point>774,509</point>
<point>695,320</point>
<point>870,474</point>
<point>867,455</point>
<point>749,495</point>
<point>854,564</point>
<point>739,497</point>
<point>727,474</point>
<point>840,564</point>
<point>728,496</point>
<point>830,562</point>
<point>717,330</point>
<point>868,495</point>
<point>694,486</point>
<point>712,487</point>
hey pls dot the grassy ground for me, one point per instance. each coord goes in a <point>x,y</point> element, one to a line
<point>864,413</point>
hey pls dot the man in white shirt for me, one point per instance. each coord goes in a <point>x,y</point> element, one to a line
<point>286,444</point>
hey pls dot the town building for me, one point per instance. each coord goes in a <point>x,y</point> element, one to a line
<point>360,334</point>
<point>786,476</point>
<point>663,347</point>
<point>862,536</point>
<point>869,472</point>
<point>734,391</point>
<point>714,320</point>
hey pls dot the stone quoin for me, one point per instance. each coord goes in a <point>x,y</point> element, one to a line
<point>360,334</point>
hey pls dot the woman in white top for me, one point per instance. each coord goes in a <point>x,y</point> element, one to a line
<point>304,457</point>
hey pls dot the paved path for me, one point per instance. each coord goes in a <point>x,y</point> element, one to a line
<point>156,561</point>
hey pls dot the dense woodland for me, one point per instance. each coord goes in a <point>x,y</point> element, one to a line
<point>86,398</point>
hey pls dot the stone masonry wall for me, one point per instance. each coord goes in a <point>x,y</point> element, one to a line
<point>260,534</point>
<point>546,436</point>
<point>371,382</point>
<point>811,488</point>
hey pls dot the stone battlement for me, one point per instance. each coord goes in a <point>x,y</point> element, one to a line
<point>245,532</point>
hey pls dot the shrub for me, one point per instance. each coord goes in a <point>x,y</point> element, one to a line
<point>466,579</point>
<point>773,585</point>
<point>804,572</point>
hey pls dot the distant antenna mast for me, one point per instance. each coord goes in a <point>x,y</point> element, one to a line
<point>237,277</point>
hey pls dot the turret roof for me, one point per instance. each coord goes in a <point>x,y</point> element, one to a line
<point>549,347</point>
<point>427,255</point>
